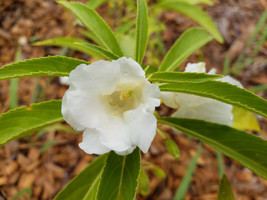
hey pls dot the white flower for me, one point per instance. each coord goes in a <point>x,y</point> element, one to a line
<point>114,104</point>
<point>64,80</point>
<point>196,107</point>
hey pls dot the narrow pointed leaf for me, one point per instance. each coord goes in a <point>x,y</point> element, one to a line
<point>46,66</point>
<point>184,185</point>
<point>221,91</point>
<point>90,35</point>
<point>246,148</point>
<point>188,43</point>
<point>141,31</point>
<point>95,3</point>
<point>225,190</point>
<point>176,77</point>
<point>67,42</point>
<point>21,121</point>
<point>120,177</point>
<point>84,186</point>
<point>195,13</point>
<point>93,22</point>
<point>99,50</point>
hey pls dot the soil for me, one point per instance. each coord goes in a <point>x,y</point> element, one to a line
<point>26,162</point>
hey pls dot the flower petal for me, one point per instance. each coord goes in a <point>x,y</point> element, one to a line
<point>209,110</point>
<point>170,99</point>
<point>90,77</point>
<point>142,126</point>
<point>115,135</point>
<point>91,144</point>
<point>196,67</point>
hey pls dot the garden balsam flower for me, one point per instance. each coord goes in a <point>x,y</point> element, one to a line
<point>202,108</point>
<point>113,103</point>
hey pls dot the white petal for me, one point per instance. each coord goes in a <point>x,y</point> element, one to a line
<point>229,79</point>
<point>142,125</point>
<point>64,80</point>
<point>129,69</point>
<point>212,71</point>
<point>67,114</point>
<point>100,76</point>
<point>196,67</point>
<point>170,99</point>
<point>85,108</point>
<point>209,110</point>
<point>128,151</point>
<point>91,144</point>
<point>115,134</point>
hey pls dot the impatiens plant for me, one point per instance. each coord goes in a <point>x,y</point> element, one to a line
<point>113,102</point>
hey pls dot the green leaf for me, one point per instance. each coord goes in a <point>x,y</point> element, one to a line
<point>93,22</point>
<point>99,50</point>
<point>246,148</point>
<point>143,183</point>
<point>195,13</point>
<point>67,42</point>
<point>120,177</point>
<point>127,43</point>
<point>244,119</point>
<point>24,120</point>
<point>84,186</point>
<point>221,91</point>
<point>225,190</point>
<point>141,31</point>
<point>184,185</point>
<point>46,66</point>
<point>95,3</point>
<point>176,77</point>
<point>172,148</point>
<point>188,43</point>
<point>125,27</point>
<point>90,35</point>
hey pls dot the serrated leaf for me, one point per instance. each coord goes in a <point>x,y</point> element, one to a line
<point>188,43</point>
<point>84,186</point>
<point>225,190</point>
<point>46,66</point>
<point>176,77</point>
<point>221,91</point>
<point>120,177</point>
<point>67,42</point>
<point>195,13</point>
<point>172,148</point>
<point>24,120</point>
<point>93,22</point>
<point>244,119</point>
<point>246,148</point>
<point>141,31</point>
<point>99,50</point>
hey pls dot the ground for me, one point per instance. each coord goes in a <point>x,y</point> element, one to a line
<point>49,161</point>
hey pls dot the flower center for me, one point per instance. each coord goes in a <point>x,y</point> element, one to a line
<point>123,99</point>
